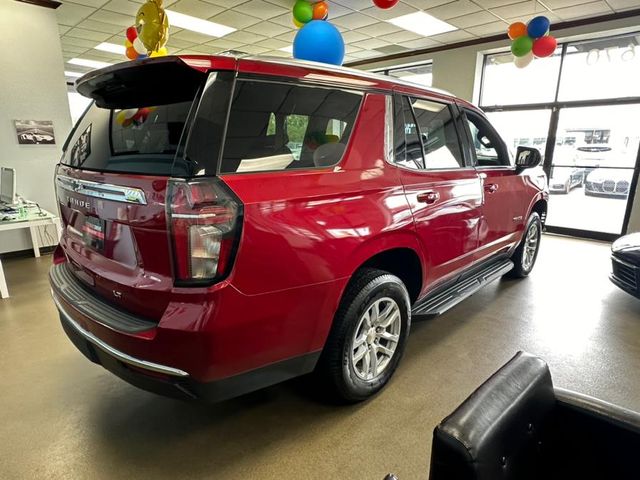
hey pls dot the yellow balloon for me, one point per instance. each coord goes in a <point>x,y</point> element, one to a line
<point>127,44</point>
<point>153,25</point>
<point>121,117</point>
<point>163,52</point>
<point>297,23</point>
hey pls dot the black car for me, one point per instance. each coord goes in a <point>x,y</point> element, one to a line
<point>625,257</point>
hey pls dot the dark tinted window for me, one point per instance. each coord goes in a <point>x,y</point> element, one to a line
<point>137,140</point>
<point>277,126</point>
<point>438,134</point>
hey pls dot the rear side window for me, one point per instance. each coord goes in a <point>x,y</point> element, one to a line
<point>278,126</point>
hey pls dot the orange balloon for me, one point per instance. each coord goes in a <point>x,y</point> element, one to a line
<point>516,30</point>
<point>131,53</point>
<point>320,11</point>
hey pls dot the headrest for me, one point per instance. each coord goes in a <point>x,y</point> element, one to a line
<point>494,434</point>
<point>328,154</point>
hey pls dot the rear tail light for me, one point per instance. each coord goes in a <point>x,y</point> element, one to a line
<point>205,219</point>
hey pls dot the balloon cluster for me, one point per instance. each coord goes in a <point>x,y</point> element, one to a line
<point>305,11</point>
<point>531,41</point>
<point>148,37</point>
<point>317,40</point>
<point>133,116</point>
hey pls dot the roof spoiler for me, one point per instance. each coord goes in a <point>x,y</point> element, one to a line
<point>152,81</point>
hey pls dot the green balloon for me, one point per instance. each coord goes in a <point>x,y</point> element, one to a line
<point>303,11</point>
<point>521,46</point>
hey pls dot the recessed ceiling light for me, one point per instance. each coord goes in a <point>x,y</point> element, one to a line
<point>111,47</point>
<point>199,25</point>
<point>422,24</point>
<point>288,49</point>
<point>67,73</point>
<point>88,63</point>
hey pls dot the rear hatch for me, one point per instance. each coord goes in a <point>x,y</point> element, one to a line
<point>113,177</point>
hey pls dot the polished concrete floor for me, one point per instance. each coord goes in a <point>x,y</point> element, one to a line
<point>63,417</point>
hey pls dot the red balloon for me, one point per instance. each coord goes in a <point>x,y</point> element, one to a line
<point>544,46</point>
<point>132,34</point>
<point>385,3</point>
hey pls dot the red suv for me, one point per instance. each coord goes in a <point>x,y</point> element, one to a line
<point>230,223</point>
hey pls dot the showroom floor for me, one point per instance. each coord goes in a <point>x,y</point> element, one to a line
<point>63,417</point>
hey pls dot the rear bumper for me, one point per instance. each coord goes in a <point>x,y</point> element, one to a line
<point>219,346</point>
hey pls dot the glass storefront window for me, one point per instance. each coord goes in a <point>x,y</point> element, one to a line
<point>527,128</point>
<point>422,74</point>
<point>505,84</point>
<point>602,68</point>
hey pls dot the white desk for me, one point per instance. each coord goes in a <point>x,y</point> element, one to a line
<point>32,221</point>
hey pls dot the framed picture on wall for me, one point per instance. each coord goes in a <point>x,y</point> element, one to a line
<point>35,132</point>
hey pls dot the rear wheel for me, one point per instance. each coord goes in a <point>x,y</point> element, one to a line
<point>526,253</point>
<point>368,336</point>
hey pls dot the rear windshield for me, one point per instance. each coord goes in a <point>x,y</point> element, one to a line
<point>140,140</point>
<point>269,126</point>
<point>277,126</point>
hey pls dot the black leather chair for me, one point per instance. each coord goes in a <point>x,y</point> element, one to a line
<point>518,426</point>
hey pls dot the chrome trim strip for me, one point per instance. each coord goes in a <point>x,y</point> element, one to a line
<point>106,191</point>
<point>123,357</point>
<point>622,262</point>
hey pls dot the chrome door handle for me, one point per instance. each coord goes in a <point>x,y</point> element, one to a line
<point>428,197</point>
<point>491,187</point>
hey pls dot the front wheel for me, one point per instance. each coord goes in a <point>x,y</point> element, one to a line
<point>524,258</point>
<point>368,336</point>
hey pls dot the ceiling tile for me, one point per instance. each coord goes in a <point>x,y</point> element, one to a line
<point>273,44</point>
<point>112,18</point>
<point>177,43</point>
<point>286,20</point>
<point>70,13</point>
<point>454,9</point>
<point>522,9</point>
<point>354,20</point>
<point>421,43</point>
<point>289,36</point>
<point>584,10</point>
<point>73,49</point>
<point>554,4</point>
<point>268,29</point>
<point>62,29</point>
<point>489,29</point>
<point>371,43</point>
<point>386,14</point>
<point>362,54</point>
<point>224,3</point>
<point>261,9</point>
<point>278,53</point>
<point>193,37</point>
<point>379,29</point>
<point>426,4</point>
<point>197,8</point>
<point>88,3</point>
<point>100,26</point>
<point>473,19</point>
<point>620,5</point>
<point>123,6</point>
<point>244,37</point>
<point>453,37</point>
<point>222,44</point>
<point>357,5</point>
<point>336,10</point>
<point>352,36</point>
<point>77,42</point>
<point>254,49</point>
<point>88,34</point>
<point>234,19</point>
<point>402,36</point>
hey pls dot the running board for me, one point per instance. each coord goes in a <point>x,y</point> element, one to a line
<point>443,300</point>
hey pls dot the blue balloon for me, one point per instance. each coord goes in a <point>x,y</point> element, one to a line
<point>538,27</point>
<point>319,41</point>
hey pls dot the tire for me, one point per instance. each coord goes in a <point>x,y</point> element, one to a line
<point>349,374</point>
<point>524,263</point>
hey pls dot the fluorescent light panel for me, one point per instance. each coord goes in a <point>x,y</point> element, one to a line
<point>68,73</point>
<point>422,24</point>
<point>288,49</point>
<point>198,25</point>
<point>111,47</point>
<point>88,63</point>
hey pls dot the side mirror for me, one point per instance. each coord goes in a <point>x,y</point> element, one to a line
<point>527,157</point>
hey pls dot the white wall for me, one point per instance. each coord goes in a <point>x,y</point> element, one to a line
<point>458,70</point>
<point>32,87</point>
